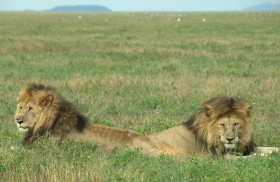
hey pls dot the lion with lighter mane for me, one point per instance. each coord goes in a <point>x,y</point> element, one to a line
<point>41,110</point>
<point>221,125</point>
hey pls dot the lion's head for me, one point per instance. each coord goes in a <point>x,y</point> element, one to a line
<point>223,125</point>
<point>26,116</point>
<point>41,109</point>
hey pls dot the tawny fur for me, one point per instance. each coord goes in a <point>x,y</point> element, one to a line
<point>43,111</point>
<point>200,134</point>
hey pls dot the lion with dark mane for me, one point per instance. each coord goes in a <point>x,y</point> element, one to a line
<point>41,110</point>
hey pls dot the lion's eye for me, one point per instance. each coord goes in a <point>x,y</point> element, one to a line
<point>30,108</point>
<point>235,124</point>
<point>20,107</point>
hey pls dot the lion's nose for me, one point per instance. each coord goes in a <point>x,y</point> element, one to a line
<point>19,121</point>
<point>230,138</point>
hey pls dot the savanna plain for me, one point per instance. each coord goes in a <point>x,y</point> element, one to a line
<point>140,71</point>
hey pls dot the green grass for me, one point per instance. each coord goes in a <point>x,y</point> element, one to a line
<point>140,71</point>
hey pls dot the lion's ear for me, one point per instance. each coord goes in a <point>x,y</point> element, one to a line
<point>208,111</point>
<point>247,109</point>
<point>46,101</point>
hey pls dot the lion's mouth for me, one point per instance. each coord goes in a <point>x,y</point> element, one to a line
<point>23,129</point>
<point>229,145</point>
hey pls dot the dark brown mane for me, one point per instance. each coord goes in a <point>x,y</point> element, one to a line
<point>36,87</point>
<point>59,115</point>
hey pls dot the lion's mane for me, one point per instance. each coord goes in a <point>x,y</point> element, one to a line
<point>42,110</point>
<point>202,121</point>
<point>57,115</point>
<point>202,133</point>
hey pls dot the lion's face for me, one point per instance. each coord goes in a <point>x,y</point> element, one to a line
<point>229,131</point>
<point>26,116</point>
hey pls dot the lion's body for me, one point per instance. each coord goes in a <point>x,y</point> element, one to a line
<point>43,111</point>
<point>177,141</point>
<point>219,126</point>
<point>108,138</point>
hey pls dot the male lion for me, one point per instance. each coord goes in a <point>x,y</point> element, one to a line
<point>220,126</point>
<point>41,110</point>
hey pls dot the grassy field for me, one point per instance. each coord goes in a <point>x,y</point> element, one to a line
<point>140,71</point>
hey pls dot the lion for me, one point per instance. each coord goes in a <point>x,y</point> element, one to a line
<point>220,127</point>
<point>41,110</point>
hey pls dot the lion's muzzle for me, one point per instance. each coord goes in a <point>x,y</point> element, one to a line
<point>21,128</point>
<point>230,142</point>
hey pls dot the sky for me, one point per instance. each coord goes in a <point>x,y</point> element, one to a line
<point>136,5</point>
